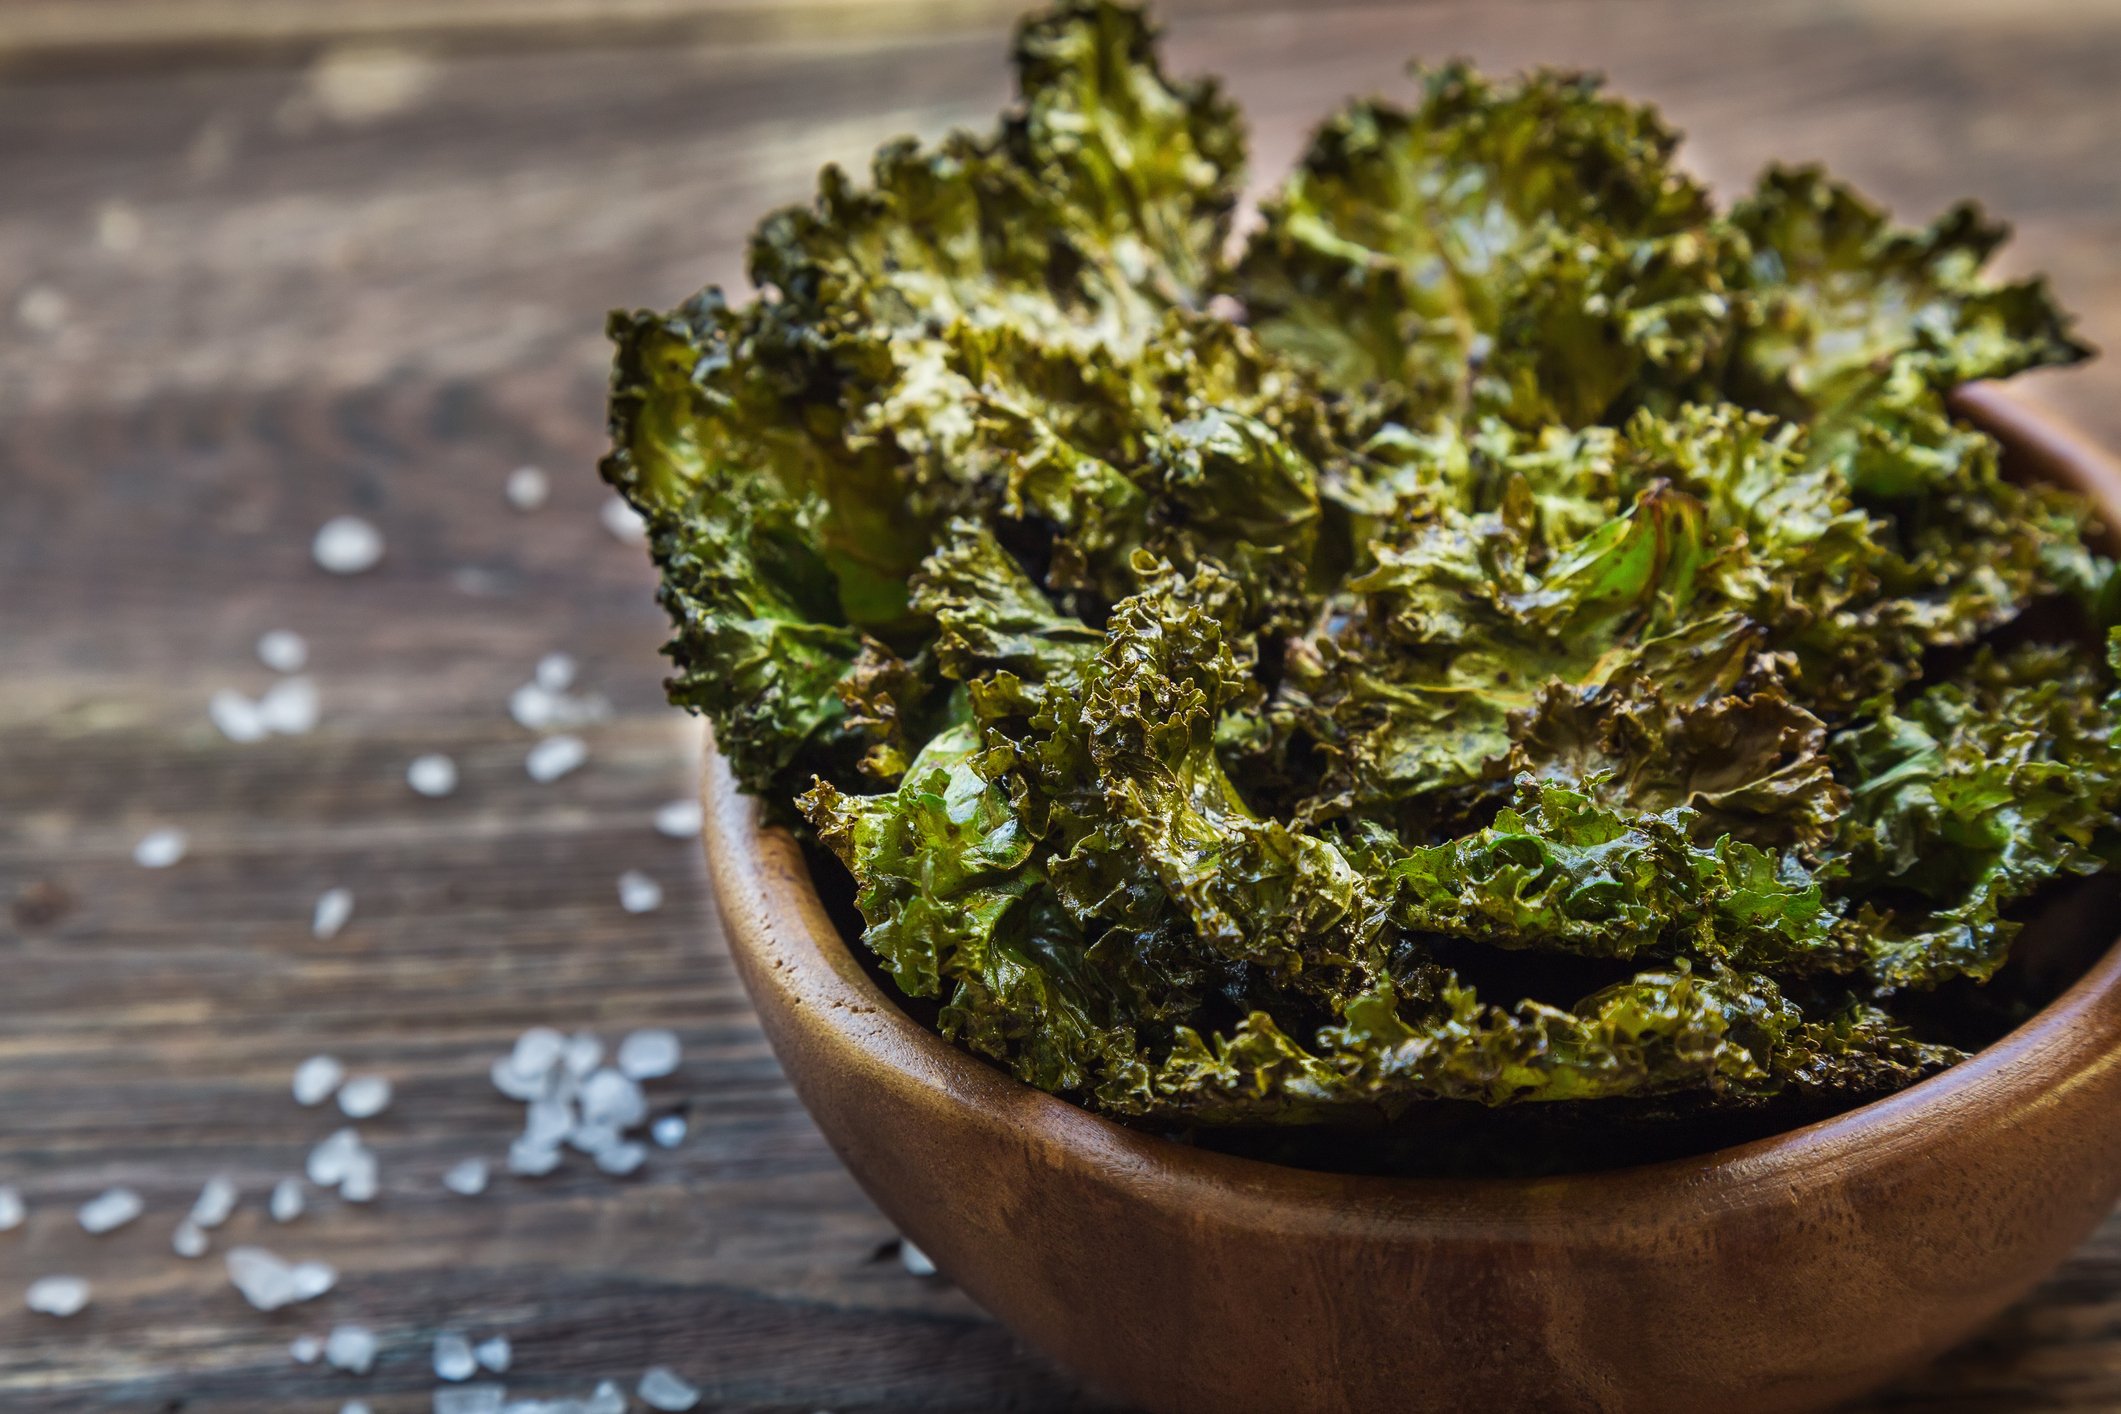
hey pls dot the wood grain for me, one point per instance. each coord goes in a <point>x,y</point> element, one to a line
<point>304,279</point>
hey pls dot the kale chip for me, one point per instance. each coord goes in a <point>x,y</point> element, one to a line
<point>1504,632</point>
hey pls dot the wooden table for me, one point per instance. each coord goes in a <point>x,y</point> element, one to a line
<point>265,263</point>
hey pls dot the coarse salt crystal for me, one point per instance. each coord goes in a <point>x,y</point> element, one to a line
<point>216,1200</point>
<point>660,1388</point>
<point>554,757</point>
<point>914,1260</point>
<point>669,1131</point>
<point>555,672</point>
<point>638,893</point>
<point>433,775</point>
<point>470,1399</point>
<point>453,1359</point>
<point>536,1051</point>
<point>347,545</point>
<point>189,1239</point>
<point>621,1158</point>
<point>527,488</point>
<point>305,1349</point>
<point>623,521</point>
<point>350,1348</point>
<point>582,1054</point>
<point>334,908</point>
<point>495,1353</point>
<point>679,819</point>
<point>364,1096</point>
<point>236,716</point>
<point>57,1296</point>
<point>283,650</point>
<point>286,1202</point>
<point>514,1083</point>
<point>355,1406</point>
<point>612,1098</point>
<point>467,1178</point>
<point>608,1399</point>
<point>362,1179</point>
<point>289,706</point>
<point>333,1158</point>
<point>12,1209</point>
<point>110,1210</point>
<point>548,1121</point>
<point>158,849</point>
<point>532,1160</point>
<point>268,1283</point>
<point>316,1078</point>
<point>648,1054</point>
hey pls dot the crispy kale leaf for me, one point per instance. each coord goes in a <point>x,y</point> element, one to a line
<point>1523,249</point>
<point>1506,634</point>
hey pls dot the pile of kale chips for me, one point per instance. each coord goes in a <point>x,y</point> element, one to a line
<point>1505,633</point>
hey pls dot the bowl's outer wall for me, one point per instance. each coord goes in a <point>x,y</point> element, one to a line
<point>1782,1275</point>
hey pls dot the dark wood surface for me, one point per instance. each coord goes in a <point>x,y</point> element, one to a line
<point>369,276</point>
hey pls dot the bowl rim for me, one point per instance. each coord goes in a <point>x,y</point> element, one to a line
<point>784,942</point>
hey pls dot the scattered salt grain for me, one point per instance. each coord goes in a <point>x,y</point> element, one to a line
<point>12,1209</point>
<point>527,488</point>
<point>608,1097</point>
<point>305,1349</point>
<point>514,1083</point>
<point>623,521</point>
<point>289,706</point>
<point>608,1399</point>
<point>313,1279</point>
<point>648,1055</point>
<point>669,1131</point>
<point>362,1179</point>
<point>333,1158</point>
<point>364,1096</point>
<point>110,1210</point>
<point>536,1051</point>
<point>57,1296</point>
<point>216,1200</point>
<point>471,1399</point>
<point>638,893</point>
<point>592,1139</point>
<point>621,1158</point>
<point>316,1079</point>
<point>268,1283</point>
<point>286,1202</point>
<point>355,1406</point>
<point>433,775</point>
<point>548,1120</point>
<point>347,545</point>
<point>351,1348</point>
<point>453,1357</point>
<point>494,1353</point>
<point>42,309</point>
<point>334,908</point>
<point>582,1054</point>
<point>679,819</point>
<point>118,227</point>
<point>554,757</point>
<point>914,1260</point>
<point>158,849</point>
<point>532,1160</point>
<point>660,1388</point>
<point>467,1178</point>
<point>236,716</point>
<point>283,650</point>
<point>189,1240</point>
<point>555,672</point>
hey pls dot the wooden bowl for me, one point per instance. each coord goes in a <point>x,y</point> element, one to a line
<point>1784,1274</point>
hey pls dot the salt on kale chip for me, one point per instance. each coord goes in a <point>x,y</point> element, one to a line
<point>1500,633</point>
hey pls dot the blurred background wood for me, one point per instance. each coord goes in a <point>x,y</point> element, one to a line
<point>268,261</point>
